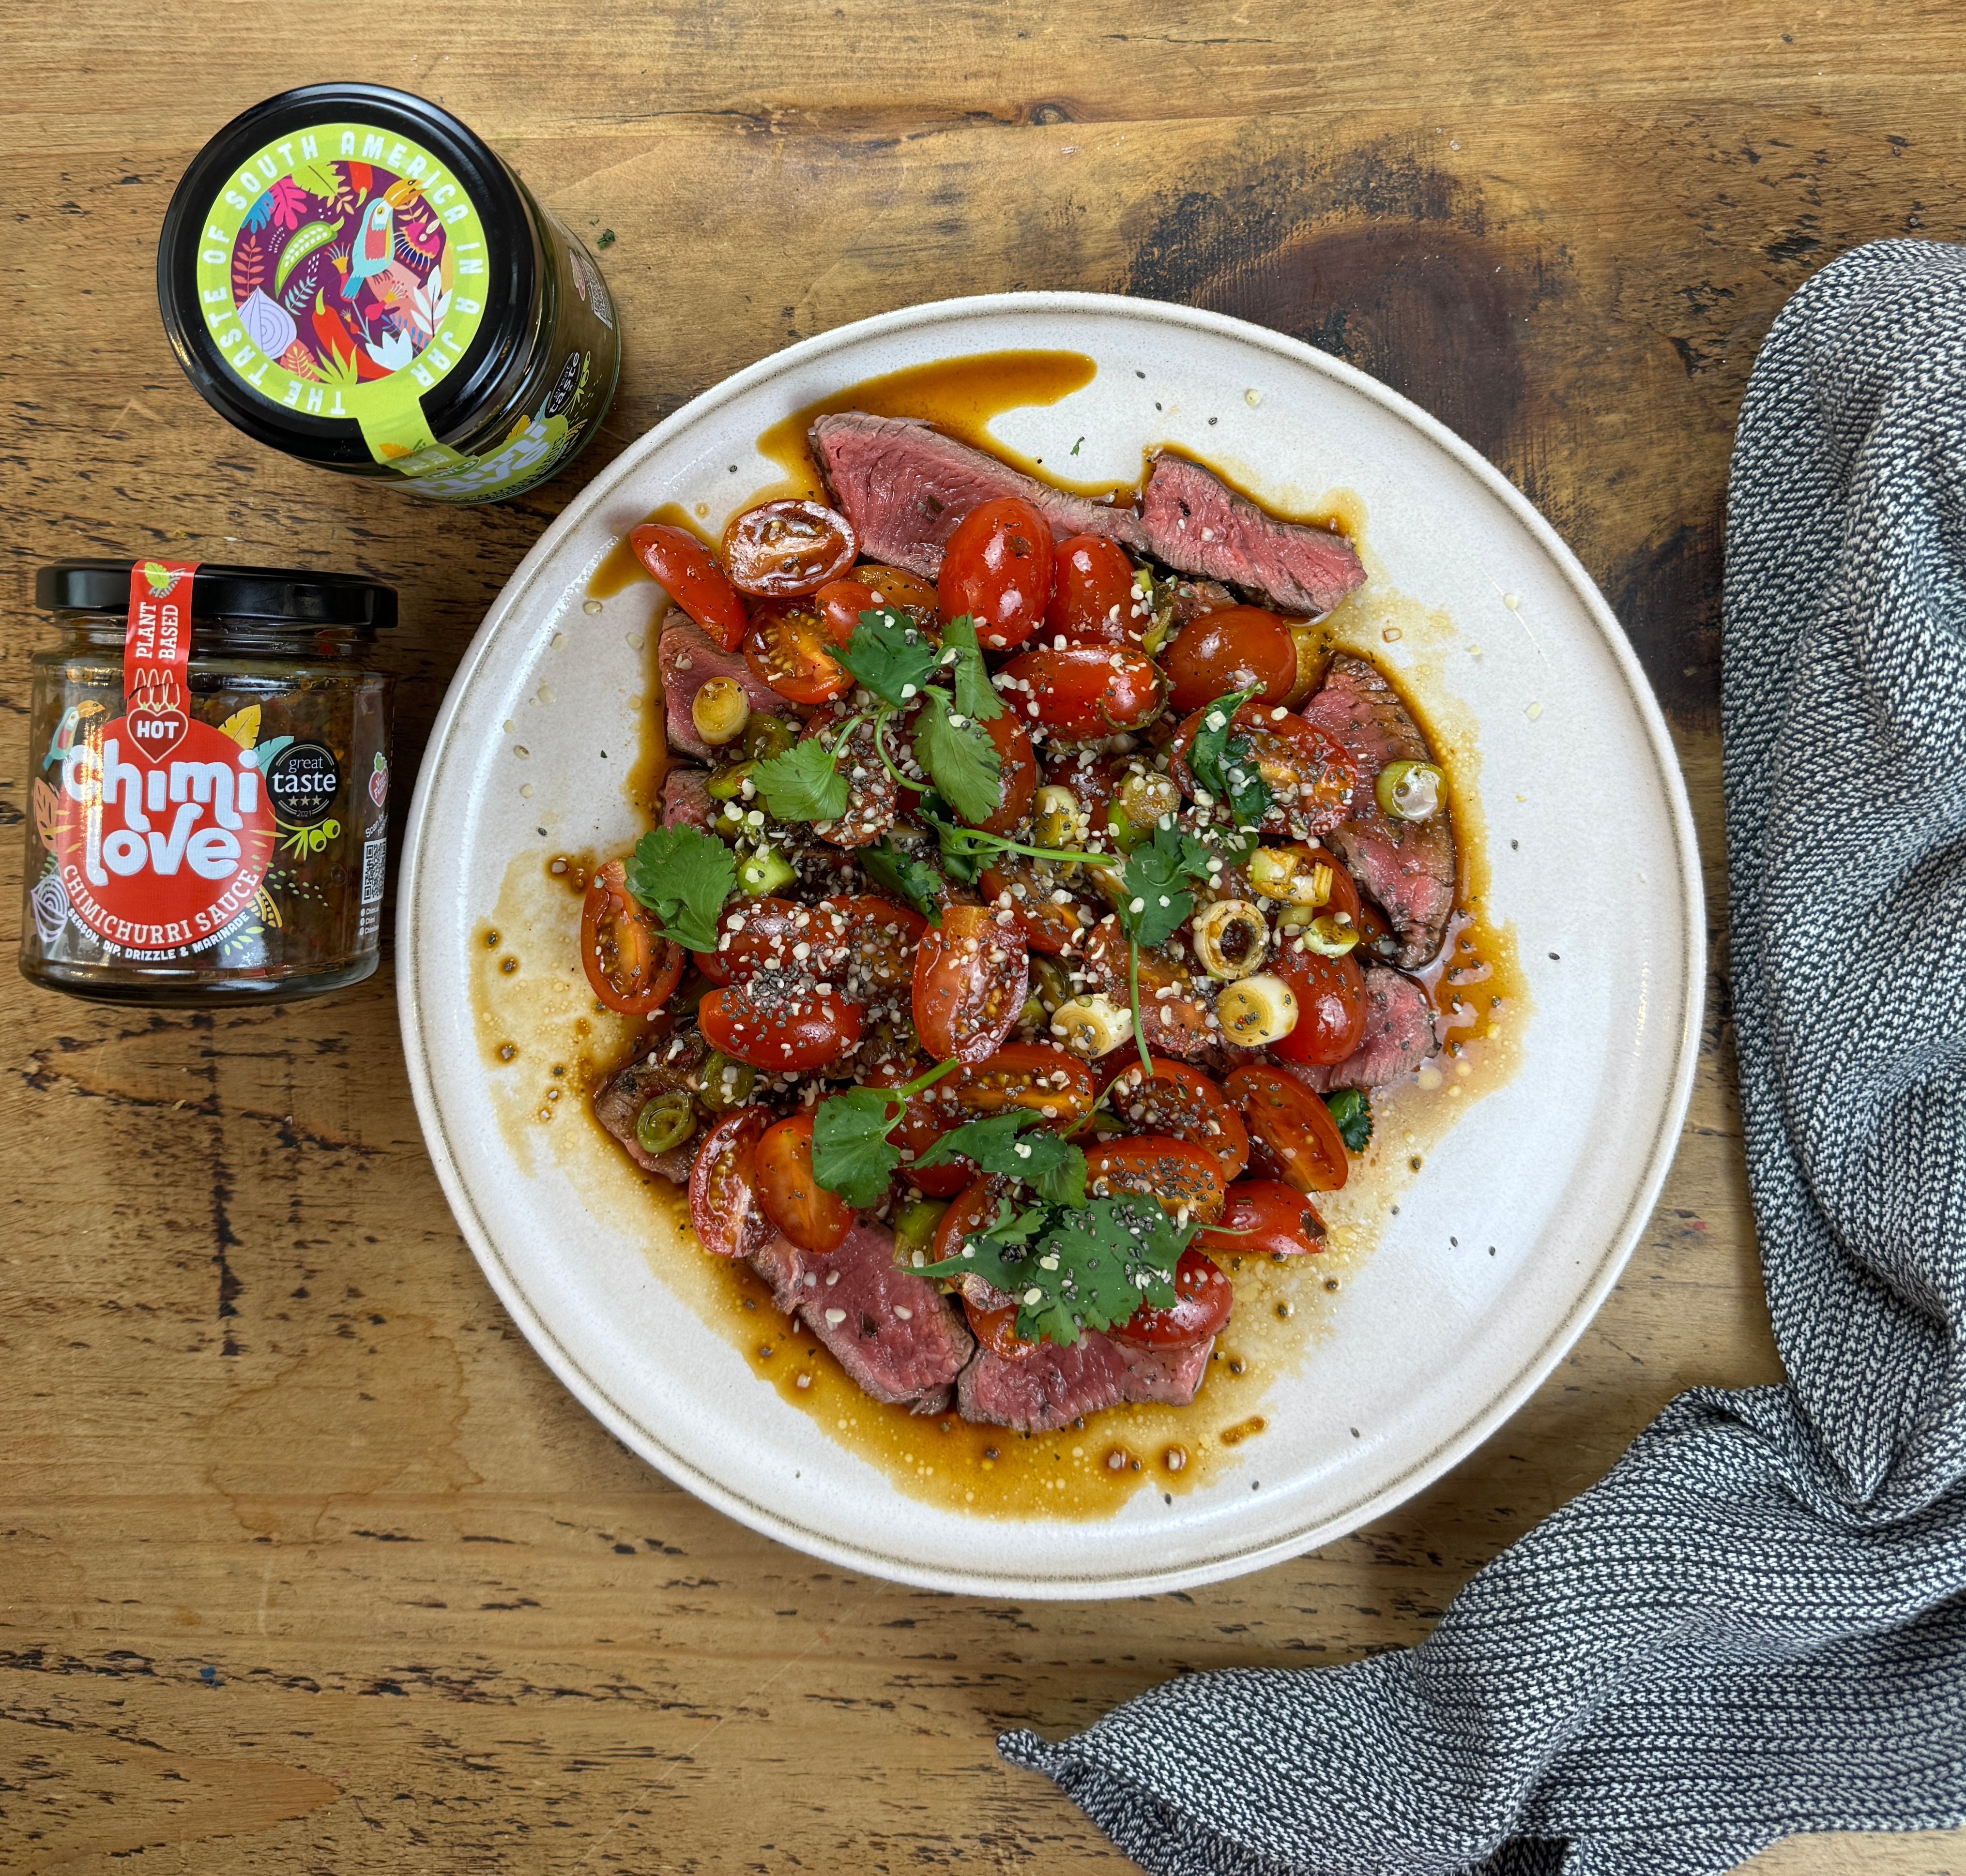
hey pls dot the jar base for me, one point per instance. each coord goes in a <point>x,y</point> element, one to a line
<point>98,985</point>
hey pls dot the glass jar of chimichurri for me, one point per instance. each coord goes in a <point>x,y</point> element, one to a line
<point>209,782</point>
<point>347,273</point>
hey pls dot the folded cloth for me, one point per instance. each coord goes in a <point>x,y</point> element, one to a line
<point>1756,1625</point>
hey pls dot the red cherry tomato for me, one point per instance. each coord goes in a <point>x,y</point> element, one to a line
<point>681,565</point>
<point>997,569</point>
<point>1182,1100</point>
<point>723,1207</point>
<point>786,648</point>
<point>971,978</point>
<point>1275,1221</point>
<point>1018,777</point>
<point>1047,925</point>
<point>1229,650</point>
<point>1094,779</point>
<point>778,1021</point>
<point>629,965</point>
<point>997,1329</point>
<point>813,1218</point>
<point>1293,1125</point>
<point>759,935</point>
<point>867,588</point>
<point>1177,1023</point>
<point>1034,1075</point>
<point>1093,598</point>
<point>1203,1298</point>
<point>1181,1175</point>
<point>876,939</point>
<point>1330,1004</point>
<point>1087,690</point>
<point>783,548</point>
<point>921,1126</point>
<point>1310,776</point>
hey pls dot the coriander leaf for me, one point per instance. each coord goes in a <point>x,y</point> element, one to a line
<point>962,856</point>
<point>1225,764</point>
<point>683,875</point>
<point>960,760</point>
<point>804,784</point>
<point>1053,1168</point>
<point>889,656</point>
<point>975,696</point>
<point>907,878</point>
<point>851,1153</point>
<point>1351,1108</point>
<point>1155,881</point>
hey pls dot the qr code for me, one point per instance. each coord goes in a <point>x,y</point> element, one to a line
<point>374,853</point>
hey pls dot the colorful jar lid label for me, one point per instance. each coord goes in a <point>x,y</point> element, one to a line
<point>163,831</point>
<point>342,272</point>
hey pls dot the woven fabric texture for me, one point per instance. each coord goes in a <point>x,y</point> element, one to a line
<point>1756,1624</point>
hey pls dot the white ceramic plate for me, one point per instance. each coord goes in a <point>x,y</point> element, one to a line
<point>1434,1345</point>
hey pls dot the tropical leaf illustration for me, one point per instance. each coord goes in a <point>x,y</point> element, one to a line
<point>248,266</point>
<point>267,323</point>
<point>256,216</point>
<point>47,805</point>
<point>299,360</point>
<point>316,234</point>
<point>338,369</point>
<point>268,907</point>
<point>290,202</point>
<point>270,748</point>
<point>318,177</point>
<point>346,192</point>
<point>242,726</point>
<point>158,578</point>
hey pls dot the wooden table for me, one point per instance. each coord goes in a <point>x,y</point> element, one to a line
<point>308,1562</point>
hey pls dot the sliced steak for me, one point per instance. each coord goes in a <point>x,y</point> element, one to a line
<point>686,800</point>
<point>687,662</point>
<point>1400,1035</point>
<point>1408,865</point>
<point>1052,1387</point>
<point>899,1338</point>
<point>905,486</point>
<point>1196,522</point>
<point>670,1066</point>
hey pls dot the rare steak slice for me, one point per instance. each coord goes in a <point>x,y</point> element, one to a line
<point>686,801</point>
<point>1400,1035</point>
<point>905,486</point>
<point>1408,865</point>
<point>668,1067</point>
<point>894,1332</point>
<point>1196,522</point>
<point>1051,1387</point>
<point>687,662</point>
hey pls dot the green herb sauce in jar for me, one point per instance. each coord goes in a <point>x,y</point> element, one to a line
<point>348,274</point>
<point>209,775</point>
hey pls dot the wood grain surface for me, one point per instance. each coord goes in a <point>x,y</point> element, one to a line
<point>306,1562</point>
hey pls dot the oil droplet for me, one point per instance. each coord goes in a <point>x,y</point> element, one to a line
<point>591,607</point>
<point>1243,1429</point>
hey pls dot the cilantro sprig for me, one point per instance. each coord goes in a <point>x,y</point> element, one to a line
<point>1224,763</point>
<point>907,878</point>
<point>964,850</point>
<point>1049,1164</point>
<point>852,1154</point>
<point>1155,901</point>
<point>1351,1108</point>
<point>802,783</point>
<point>1089,1267</point>
<point>684,876</point>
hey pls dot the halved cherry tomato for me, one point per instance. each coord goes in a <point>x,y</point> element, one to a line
<point>1182,1100</point>
<point>1229,651</point>
<point>786,648</point>
<point>1018,778</point>
<point>1183,1176</point>
<point>1173,1010</point>
<point>782,549</point>
<point>972,1213</point>
<point>1023,888</point>
<point>630,967</point>
<point>1330,1004</point>
<point>843,601</point>
<point>1093,598</point>
<point>1203,1298</point>
<point>1086,691</point>
<point>997,568</point>
<point>1275,1221</point>
<point>971,978</point>
<point>997,1329</point>
<point>680,564</point>
<point>780,1021</point>
<point>765,934</point>
<point>1310,776</point>
<point>1094,779</point>
<point>1295,1125</point>
<point>877,938</point>
<point>723,1207</point>
<point>1036,1076</point>
<point>921,1126</point>
<point>871,799</point>
<point>813,1218</point>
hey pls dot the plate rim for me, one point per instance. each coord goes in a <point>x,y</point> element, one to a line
<point>1234,1560</point>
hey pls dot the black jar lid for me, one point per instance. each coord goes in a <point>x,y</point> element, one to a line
<point>478,384</point>
<point>278,596</point>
